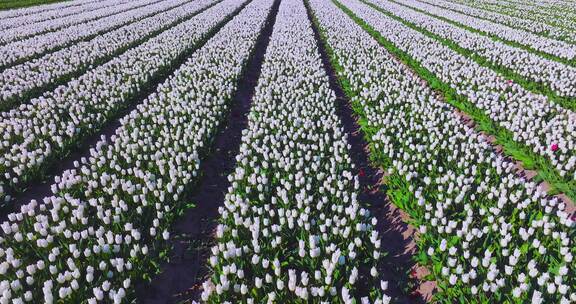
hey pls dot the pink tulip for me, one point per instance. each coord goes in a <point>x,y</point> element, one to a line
<point>554,147</point>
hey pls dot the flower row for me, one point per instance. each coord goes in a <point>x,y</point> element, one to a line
<point>30,78</point>
<point>24,31</point>
<point>35,134</point>
<point>485,233</point>
<point>551,46</point>
<point>292,229</point>
<point>24,49</point>
<point>17,17</point>
<point>526,23</point>
<point>109,217</point>
<point>552,19</point>
<point>558,77</point>
<point>545,128</point>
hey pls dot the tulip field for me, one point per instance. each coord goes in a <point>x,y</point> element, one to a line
<point>288,151</point>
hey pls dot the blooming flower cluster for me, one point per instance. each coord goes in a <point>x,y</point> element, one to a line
<point>18,81</point>
<point>25,49</point>
<point>532,119</point>
<point>292,229</point>
<point>102,228</point>
<point>33,14</point>
<point>33,133</point>
<point>485,233</point>
<point>550,46</point>
<point>554,26</point>
<point>559,77</point>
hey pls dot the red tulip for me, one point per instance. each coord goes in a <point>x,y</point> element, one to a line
<point>554,147</point>
<point>361,173</point>
<point>416,295</point>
